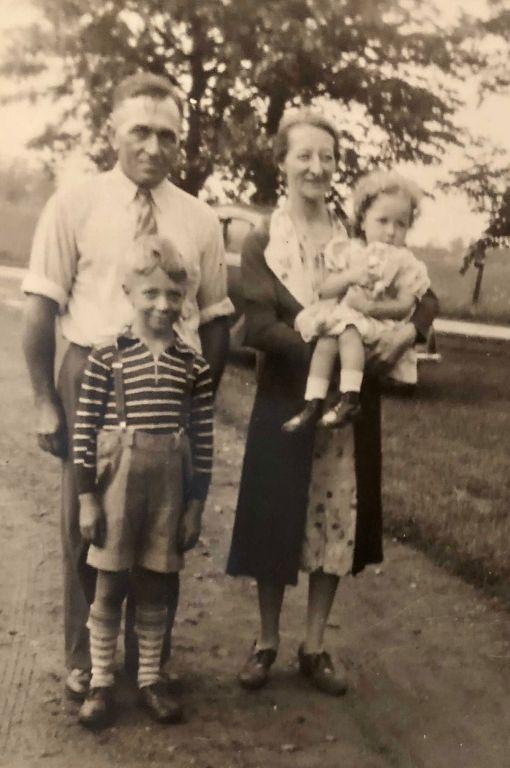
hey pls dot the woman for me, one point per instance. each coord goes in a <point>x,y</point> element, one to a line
<point>306,501</point>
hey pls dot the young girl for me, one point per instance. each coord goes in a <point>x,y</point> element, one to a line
<point>373,283</point>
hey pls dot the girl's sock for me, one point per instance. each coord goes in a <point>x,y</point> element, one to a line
<point>350,380</point>
<point>103,625</point>
<point>316,388</point>
<point>150,627</point>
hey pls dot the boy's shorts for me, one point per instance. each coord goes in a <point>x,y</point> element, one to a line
<point>140,482</point>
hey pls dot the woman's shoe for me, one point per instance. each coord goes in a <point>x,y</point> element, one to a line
<point>342,413</point>
<point>320,670</point>
<point>308,416</point>
<point>255,672</point>
<point>97,709</point>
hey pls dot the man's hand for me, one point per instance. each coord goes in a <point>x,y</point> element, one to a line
<point>92,519</point>
<point>356,299</point>
<point>51,428</point>
<point>190,525</point>
<point>391,345</point>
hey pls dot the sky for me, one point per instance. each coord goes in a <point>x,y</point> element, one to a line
<point>443,218</point>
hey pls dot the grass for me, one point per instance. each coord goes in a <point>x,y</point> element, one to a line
<point>446,484</point>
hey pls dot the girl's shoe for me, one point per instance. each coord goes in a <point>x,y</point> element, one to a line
<point>308,416</point>
<point>343,412</point>
<point>255,672</point>
<point>97,709</point>
<point>320,670</point>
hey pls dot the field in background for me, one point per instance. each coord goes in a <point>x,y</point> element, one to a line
<point>446,483</point>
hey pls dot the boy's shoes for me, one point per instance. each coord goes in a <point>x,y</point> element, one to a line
<point>97,709</point>
<point>308,416</point>
<point>320,670</point>
<point>77,684</point>
<point>345,410</point>
<point>255,672</point>
<point>162,706</point>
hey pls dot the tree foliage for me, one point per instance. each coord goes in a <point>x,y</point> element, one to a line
<point>387,68</point>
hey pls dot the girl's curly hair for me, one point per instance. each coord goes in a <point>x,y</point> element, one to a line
<point>380,182</point>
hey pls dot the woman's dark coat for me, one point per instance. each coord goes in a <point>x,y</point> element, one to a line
<point>271,510</point>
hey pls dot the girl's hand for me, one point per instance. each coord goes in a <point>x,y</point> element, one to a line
<point>190,525</point>
<point>357,300</point>
<point>358,273</point>
<point>92,519</point>
<point>390,346</point>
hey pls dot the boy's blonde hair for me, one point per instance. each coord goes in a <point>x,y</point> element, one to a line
<point>151,251</point>
<point>380,182</point>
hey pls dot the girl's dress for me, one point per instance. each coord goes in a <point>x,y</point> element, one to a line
<point>390,270</point>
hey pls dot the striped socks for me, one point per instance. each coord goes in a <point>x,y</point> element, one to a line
<point>103,625</point>
<point>150,627</point>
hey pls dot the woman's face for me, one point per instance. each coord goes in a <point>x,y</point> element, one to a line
<point>388,219</point>
<point>310,162</point>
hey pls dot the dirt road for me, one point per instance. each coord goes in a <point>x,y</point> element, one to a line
<point>428,656</point>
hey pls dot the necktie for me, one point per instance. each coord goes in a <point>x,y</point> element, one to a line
<point>145,219</point>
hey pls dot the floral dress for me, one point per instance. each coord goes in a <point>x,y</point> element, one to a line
<point>390,270</point>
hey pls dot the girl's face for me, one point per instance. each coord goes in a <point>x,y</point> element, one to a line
<point>310,162</point>
<point>388,219</point>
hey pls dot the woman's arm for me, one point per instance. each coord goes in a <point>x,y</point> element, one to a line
<point>390,309</point>
<point>265,330</point>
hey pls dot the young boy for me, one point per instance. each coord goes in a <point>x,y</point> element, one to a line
<point>143,445</point>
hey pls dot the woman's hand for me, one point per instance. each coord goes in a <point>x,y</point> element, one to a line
<point>356,299</point>
<point>390,346</point>
<point>92,519</point>
<point>190,525</point>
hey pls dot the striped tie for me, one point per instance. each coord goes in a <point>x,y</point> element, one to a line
<point>145,219</point>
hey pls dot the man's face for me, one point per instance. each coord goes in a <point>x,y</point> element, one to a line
<point>145,134</point>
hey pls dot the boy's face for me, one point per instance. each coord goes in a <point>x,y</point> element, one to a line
<point>156,299</point>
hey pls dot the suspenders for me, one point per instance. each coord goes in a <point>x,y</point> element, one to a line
<point>120,399</point>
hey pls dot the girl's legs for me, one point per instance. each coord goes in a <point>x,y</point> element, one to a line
<point>317,385</point>
<point>314,662</point>
<point>255,672</point>
<point>352,361</point>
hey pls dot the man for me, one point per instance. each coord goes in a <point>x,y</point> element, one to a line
<point>75,275</point>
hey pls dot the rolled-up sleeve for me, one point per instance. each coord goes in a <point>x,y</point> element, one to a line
<point>54,255</point>
<point>212,297</point>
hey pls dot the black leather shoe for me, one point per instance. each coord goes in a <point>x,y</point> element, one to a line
<point>161,705</point>
<point>308,416</point>
<point>255,672</point>
<point>320,670</point>
<point>97,709</point>
<point>340,414</point>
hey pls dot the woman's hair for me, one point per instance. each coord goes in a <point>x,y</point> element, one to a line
<point>382,182</point>
<point>296,117</point>
<point>146,84</point>
<point>151,251</point>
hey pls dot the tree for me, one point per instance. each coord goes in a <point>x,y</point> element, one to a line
<point>387,69</point>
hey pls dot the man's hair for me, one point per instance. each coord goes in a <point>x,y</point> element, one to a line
<point>151,251</point>
<point>296,117</point>
<point>382,182</point>
<point>146,84</point>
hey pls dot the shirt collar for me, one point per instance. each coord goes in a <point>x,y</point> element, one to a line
<point>127,338</point>
<point>127,189</point>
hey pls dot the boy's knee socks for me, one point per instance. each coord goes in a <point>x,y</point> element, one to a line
<point>150,627</point>
<point>103,625</point>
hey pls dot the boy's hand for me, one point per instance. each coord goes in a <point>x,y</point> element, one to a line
<point>190,525</point>
<point>92,520</point>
